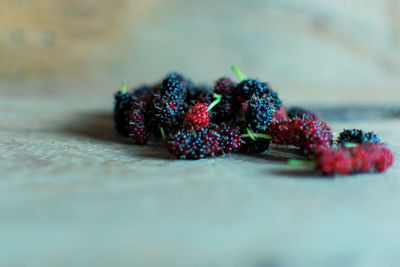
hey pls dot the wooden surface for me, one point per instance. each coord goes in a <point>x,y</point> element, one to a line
<point>74,193</point>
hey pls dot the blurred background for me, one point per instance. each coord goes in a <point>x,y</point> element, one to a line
<point>310,50</point>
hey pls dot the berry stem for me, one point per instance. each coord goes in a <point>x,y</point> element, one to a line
<point>123,89</point>
<point>254,136</point>
<point>215,95</point>
<point>215,102</point>
<point>251,134</point>
<point>162,133</point>
<point>239,73</point>
<point>335,135</point>
<point>263,136</point>
<point>302,163</point>
<point>348,145</point>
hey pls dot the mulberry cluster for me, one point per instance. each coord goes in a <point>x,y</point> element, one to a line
<point>363,158</point>
<point>201,121</point>
<point>308,135</point>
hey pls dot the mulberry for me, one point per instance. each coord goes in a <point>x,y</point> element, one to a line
<point>138,124</point>
<point>123,103</point>
<point>259,113</point>
<point>356,136</point>
<point>197,116</point>
<point>192,144</point>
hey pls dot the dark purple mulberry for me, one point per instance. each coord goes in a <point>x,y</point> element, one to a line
<point>138,122</point>
<point>192,144</point>
<point>259,113</point>
<point>356,136</point>
<point>167,114</point>
<point>304,114</point>
<point>123,103</point>
<point>231,139</point>
<point>249,88</point>
<point>174,87</point>
<point>224,86</point>
<point>275,98</point>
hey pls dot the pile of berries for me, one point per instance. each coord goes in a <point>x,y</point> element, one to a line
<point>198,121</point>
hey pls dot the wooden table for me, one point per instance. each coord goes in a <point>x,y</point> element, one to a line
<point>74,193</point>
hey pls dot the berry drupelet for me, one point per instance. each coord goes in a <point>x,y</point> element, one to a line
<point>370,137</point>
<point>259,113</point>
<point>249,88</point>
<point>166,114</point>
<point>197,117</point>
<point>230,138</point>
<point>224,86</point>
<point>275,98</point>
<point>174,87</point>
<point>356,136</point>
<point>123,103</point>
<point>138,122</point>
<point>192,144</point>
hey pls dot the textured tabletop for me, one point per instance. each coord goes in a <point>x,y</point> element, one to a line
<point>74,193</point>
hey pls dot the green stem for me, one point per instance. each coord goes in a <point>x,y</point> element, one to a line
<point>123,90</point>
<point>215,102</point>
<point>162,133</point>
<point>215,95</point>
<point>263,136</point>
<point>348,145</point>
<point>335,135</point>
<point>251,134</point>
<point>239,73</point>
<point>254,136</point>
<point>302,163</point>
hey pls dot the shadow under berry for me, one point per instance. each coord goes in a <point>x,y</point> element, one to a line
<point>98,125</point>
<point>153,151</point>
<point>298,173</point>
